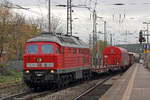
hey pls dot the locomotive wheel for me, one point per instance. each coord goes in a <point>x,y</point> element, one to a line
<point>110,71</point>
<point>63,81</point>
<point>59,84</point>
<point>35,89</point>
<point>70,78</point>
<point>66,80</point>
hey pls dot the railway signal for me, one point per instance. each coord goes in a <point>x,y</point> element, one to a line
<point>141,38</point>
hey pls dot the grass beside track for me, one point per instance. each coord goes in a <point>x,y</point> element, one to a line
<point>13,77</point>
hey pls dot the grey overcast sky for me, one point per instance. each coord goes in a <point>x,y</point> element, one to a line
<point>120,18</point>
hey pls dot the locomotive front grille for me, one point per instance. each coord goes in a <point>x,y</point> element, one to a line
<point>39,74</point>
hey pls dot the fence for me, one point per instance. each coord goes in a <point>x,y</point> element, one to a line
<point>15,65</point>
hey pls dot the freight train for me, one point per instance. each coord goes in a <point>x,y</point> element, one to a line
<point>56,60</point>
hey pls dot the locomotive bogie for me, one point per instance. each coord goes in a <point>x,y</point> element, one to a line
<point>41,78</point>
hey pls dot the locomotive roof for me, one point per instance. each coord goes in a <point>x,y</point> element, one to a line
<point>69,41</point>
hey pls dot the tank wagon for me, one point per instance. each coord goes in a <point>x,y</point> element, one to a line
<point>55,60</point>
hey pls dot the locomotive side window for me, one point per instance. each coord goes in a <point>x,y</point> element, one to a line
<point>74,51</point>
<point>69,50</point>
<point>32,49</point>
<point>47,49</point>
<point>57,50</point>
<point>79,51</point>
<point>62,50</point>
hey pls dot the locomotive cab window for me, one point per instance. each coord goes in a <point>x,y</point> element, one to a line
<point>47,49</point>
<point>32,49</point>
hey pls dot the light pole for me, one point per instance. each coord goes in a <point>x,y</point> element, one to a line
<point>69,14</point>
<point>111,39</point>
<point>49,15</point>
<point>105,34</point>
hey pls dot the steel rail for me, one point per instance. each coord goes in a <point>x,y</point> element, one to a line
<point>92,88</point>
<point>28,95</point>
<point>11,97</point>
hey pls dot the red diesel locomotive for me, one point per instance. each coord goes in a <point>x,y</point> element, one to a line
<point>116,58</point>
<point>55,60</point>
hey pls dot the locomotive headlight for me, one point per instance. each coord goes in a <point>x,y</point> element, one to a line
<point>52,71</point>
<point>27,71</point>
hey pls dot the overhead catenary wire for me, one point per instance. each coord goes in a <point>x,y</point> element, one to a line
<point>20,7</point>
<point>29,9</point>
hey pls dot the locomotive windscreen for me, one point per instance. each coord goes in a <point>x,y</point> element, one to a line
<point>47,49</point>
<point>32,49</point>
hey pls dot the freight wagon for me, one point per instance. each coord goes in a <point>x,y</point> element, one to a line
<point>115,58</point>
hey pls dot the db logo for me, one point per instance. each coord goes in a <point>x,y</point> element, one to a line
<point>39,59</point>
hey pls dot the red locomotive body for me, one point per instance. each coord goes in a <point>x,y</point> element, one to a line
<point>51,59</point>
<point>115,56</point>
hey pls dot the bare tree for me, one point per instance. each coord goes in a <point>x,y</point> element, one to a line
<point>56,25</point>
<point>15,30</point>
<point>42,23</point>
<point>5,15</point>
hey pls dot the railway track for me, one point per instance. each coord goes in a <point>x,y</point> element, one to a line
<point>14,96</point>
<point>29,95</point>
<point>86,94</point>
<point>11,84</point>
